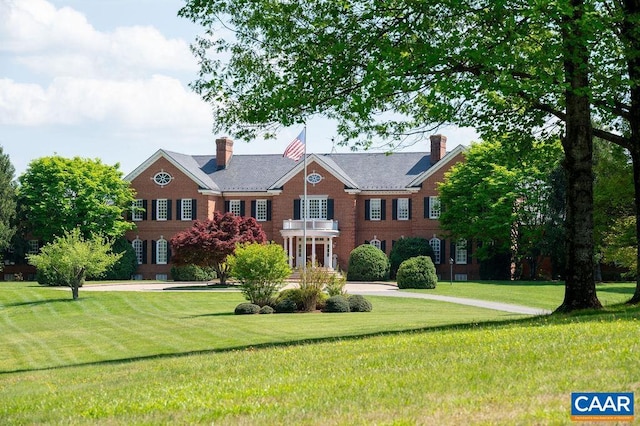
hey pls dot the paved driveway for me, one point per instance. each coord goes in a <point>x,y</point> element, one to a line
<point>371,289</point>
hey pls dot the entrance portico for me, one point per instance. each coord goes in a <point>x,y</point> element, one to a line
<point>318,248</point>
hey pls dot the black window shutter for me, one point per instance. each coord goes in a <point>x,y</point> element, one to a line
<point>469,245</point>
<point>153,251</point>
<point>383,209</point>
<point>144,252</point>
<point>367,207</point>
<point>330,209</point>
<point>154,209</point>
<point>426,207</point>
<point>393,243</point>
<point>268,209</point>
<point>383,245</point>
<point>178,209</point>
<point>227,206</point>
<point>366,241</point>
<point>168,252</point>
<point>242,209</point>
<point>144,206</point>
<point>168,209</point>
<point>409,208</point>
<point>394,209</point>
<point>253,208</point>
<point>443,252</point>
<point>296,209</point>
<point>194,209</point>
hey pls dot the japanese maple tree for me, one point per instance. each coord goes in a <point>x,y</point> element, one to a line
<point>209,242</point>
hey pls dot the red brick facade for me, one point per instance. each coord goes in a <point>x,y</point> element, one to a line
<point>345,205</point>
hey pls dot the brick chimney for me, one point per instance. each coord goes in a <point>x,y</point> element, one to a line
<point>438,148</point>
<point>224,151</point>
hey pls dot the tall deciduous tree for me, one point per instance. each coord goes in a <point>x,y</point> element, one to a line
<point>209,242</point>
<point>57,195</point>
<point>510,207</point>
<point>502,67</point>
<point>7,200</point>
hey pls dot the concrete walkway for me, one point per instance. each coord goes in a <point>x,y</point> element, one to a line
<point>365,289</point>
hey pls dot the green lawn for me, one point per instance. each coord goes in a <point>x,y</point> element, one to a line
<point>182,358</point>
<point>547,295</point>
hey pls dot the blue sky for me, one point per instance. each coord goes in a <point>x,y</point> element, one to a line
<point>109,79</point>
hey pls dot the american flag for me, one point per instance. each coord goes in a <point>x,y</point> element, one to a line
<point>295,150</point>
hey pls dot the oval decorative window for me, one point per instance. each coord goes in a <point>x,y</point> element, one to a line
<point>314,178</point>
<point>162,178</point>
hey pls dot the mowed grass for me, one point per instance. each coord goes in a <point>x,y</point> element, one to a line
<point>536,294</point>
<point>190,362</point>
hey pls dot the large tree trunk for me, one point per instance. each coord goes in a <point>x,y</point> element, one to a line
<point>580,286</point>
<point>631,37</point>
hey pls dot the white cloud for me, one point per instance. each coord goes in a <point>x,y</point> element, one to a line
<point>61,42</point>
<point>158,102</point>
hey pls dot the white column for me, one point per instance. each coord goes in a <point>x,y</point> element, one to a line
<point>330,256</point>
<point>313,251</point>
<point>290,250</point>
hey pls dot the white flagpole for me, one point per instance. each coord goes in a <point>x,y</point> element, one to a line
<point>306,205</point>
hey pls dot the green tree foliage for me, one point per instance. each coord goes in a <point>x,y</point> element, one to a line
<point>209,242</point>
<point>7,201</point>
<point>406,248</point>
<point>417,272</point>
<point>508,67</point>
<point>510,208</point>
<point>367,263</point>
<point>57,195</point>
<point>261,270</point>
<point>125,267</point>
<point>72,257</point>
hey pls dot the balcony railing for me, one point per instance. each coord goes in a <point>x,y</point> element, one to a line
<point>313,224</point>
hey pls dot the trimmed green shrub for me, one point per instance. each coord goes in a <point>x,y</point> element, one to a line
<point>266,309</point>
<point>246,309</point>
<point>406,248</point>
<point>125,267</point>
<point>193,273</point>
<point>52,278</point>
<point>337,304</point>
<point>293,294</point>
<point>261,270</point>
<point>322,301</point>
<point>368,263</point>
<point>417,272</point>
<point>358,303</point>
<point>285,306</point>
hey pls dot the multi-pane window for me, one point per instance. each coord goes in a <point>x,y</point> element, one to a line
<point>375,209</point>
<point>137,248</point>
<point>235,207</point>
<point>435,245</point>
<point>33,247</point>
<point>461,252</point>
<point>261,210</point>
<point>403,209</point>
<point>317,208</point>
<point>162,250</point>
<point>137,212</point>
<point>376,243</point>
<point>434,207</point>
<point>162,209</point>
<point>186,208</point>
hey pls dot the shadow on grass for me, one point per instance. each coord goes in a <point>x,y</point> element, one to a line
<point>612,288</point>
<point>203,287</point>
<point>40,302</point>
<point>610,313</point>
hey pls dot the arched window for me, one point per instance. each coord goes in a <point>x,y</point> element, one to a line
<point>138,249</point>
<point>435,245</point>
<point>162,251</point>
<point>376,243</point>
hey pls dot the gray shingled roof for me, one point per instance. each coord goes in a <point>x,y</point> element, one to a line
<point>365,171</point>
